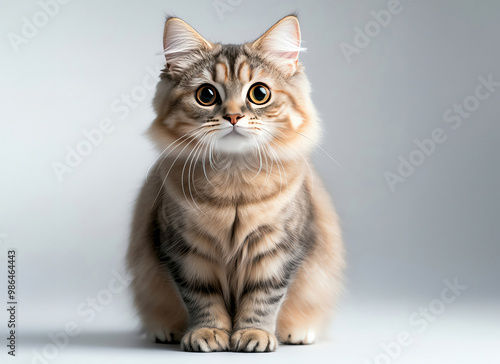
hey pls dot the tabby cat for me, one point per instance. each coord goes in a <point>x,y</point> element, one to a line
<point>235,244</point>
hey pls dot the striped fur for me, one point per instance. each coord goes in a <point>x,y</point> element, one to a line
<point>234,244</point>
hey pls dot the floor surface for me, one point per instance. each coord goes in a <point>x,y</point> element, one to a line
<point>379,334</point>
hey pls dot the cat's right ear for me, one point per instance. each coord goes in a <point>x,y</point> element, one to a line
<point>281,44</point>
<point>182,45</point>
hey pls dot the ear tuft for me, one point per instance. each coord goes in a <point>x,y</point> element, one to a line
<point>182,45</point>
<point>281,44</point>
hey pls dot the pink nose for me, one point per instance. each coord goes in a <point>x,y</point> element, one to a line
<point>233,118</point>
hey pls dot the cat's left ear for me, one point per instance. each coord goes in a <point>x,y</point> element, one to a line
<point>281,44</point>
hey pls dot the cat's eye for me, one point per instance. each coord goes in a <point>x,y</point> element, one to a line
<point>206,95</point>
<point>259,94</point>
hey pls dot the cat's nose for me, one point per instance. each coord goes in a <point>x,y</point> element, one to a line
<point>233,118</point>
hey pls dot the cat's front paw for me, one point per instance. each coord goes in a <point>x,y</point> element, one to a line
<point>205,339</point>
<point>253,340</point>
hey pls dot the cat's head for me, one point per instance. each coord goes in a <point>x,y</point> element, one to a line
<point>249,100</point>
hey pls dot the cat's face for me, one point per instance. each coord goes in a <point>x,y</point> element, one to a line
<point>248,100</point>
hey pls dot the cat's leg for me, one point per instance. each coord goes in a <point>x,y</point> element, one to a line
<point>309,303</point>
<point>160,308</point>
<point>307,307</point>
<point>289,288</point>
<point>174,288</point>
<point>177,308</point>
<point>209,323</point>
<point>255,321</point>
<point>197,278</point>
<point>257,307</point>
<point>163,315</point>
<point>298,315</point>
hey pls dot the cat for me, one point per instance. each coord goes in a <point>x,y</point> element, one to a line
<point>234,244</point>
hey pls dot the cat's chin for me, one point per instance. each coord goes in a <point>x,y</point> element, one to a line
<point>234,143</point>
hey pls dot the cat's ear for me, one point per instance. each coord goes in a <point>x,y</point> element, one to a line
<point>182,45</point>
<point>281,44</point>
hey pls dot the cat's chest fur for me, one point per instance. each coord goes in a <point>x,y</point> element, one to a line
<point>232,223</point>
<point>232,208</point>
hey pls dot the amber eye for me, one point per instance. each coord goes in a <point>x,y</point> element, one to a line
<point>259,94</point>
<point>206,95</point>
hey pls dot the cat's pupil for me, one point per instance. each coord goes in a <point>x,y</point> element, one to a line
<point>207,95</point>
<point>259,93</point>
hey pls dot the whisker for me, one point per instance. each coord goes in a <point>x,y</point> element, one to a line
<point>268,171</point>
<point>305,136</point>
<point>189,181</point>
<point>260,157</point>
<point>298,151</point>
<point>211,154</point>
<point>274,158</point>
<point>168,146</point>
<point>204,163</point>
<point>193,134</point>
<point>168,172</point>
<point>197,156</point>
<point>279,161</point>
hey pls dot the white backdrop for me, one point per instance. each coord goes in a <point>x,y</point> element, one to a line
<point>401,101</point>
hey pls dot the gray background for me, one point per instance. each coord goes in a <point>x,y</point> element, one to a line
<point>441,223</point>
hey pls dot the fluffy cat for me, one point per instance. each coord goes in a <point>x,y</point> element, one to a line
<point>235,244</point>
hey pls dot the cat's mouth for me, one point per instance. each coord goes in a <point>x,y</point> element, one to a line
<point>234,133</point>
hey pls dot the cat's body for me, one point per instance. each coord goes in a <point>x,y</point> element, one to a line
<point>234,240</point>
